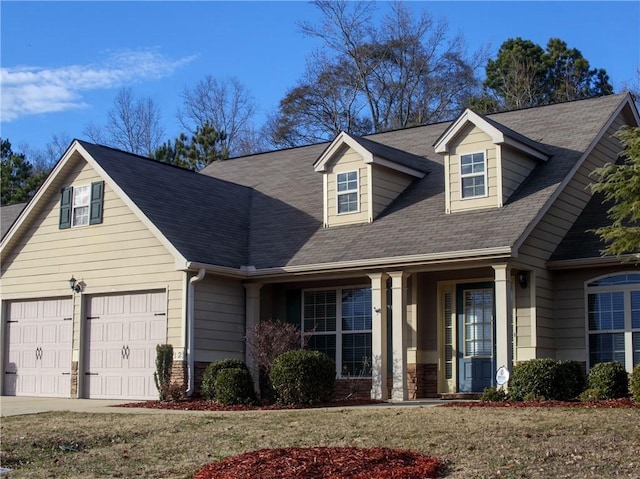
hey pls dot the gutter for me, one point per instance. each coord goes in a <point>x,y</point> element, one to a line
<point>189,334</point>
<point>245,272</point>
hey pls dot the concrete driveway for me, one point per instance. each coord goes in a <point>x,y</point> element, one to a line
<point>15,406</point>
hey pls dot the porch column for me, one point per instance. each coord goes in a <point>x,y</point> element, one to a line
<point>252,318</point>
<point>504,316</point>
<point>379,388</point>
<point>400,391</point>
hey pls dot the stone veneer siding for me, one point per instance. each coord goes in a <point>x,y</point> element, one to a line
<point>74,380</point>
<point>422,380</point>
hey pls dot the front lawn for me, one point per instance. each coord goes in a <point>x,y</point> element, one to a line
<point>474,442</point>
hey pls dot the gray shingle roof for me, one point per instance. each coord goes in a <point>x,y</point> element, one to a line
<point>287,204</point>
<point>8,216</point>
<point>393,154</point>
<point>205,218</point>
<point>580,242</point>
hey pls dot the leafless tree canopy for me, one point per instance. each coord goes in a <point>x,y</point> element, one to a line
<point>375,76</point>
<point>226,105</point>
<point>133,125</point>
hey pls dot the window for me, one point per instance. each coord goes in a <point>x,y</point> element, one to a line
<point>478,322</point>
<point>348,192</point>
<point>80,216</point>
<point>473,175</point>
<point>81,205</point>
<point>337,322</point>
<point>613,320</point>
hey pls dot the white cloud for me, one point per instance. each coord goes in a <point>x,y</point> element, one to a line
<point>30,90</point>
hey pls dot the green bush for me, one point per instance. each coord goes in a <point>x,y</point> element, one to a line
<point>635,383</point>
<point>592,395</point>
<point>546,379</point>
<point>611,378</point>
<point>234,386</point>
<point>493,395</point>
<point>162,374</point>
<point>303,377</point>
<point>208,386</point>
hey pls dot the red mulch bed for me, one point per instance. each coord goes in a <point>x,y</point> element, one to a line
<point>608,404</point>
<point>324,463</point>
<point>203,405</point>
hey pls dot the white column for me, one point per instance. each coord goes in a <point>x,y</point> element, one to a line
<point>400,391</point>
<point>252,318</point>
<point>504,316</point>
<point>379,336</point>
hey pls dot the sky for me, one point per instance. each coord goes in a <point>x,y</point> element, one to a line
<point>62,63</point>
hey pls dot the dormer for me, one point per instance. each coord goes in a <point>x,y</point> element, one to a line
<point>484,162</point>
<point>362,177</point>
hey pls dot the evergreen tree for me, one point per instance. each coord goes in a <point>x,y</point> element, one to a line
<point>19,180</point>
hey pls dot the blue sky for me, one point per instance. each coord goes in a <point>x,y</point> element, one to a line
<point>63,62</point>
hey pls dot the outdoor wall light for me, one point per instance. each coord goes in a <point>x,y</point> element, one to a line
<point>523,279</point>
<point>74,285</point>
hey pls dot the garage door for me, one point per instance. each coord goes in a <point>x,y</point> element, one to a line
<point>122,333</point>
<point>38,354</point>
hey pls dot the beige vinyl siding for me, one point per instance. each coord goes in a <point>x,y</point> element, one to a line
<point>119,255</point>
<point>516,166</point>
<point>219,319</point>
<point>349,160</point>
<point>472,140</point>
<point>570,315</point>
<point>523,319</point>
<point>387,185</point>
<point>544,239</point>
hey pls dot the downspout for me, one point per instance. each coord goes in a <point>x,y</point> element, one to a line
<point>190,330</point>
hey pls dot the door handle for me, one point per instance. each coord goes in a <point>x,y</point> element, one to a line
<point>125,352</point>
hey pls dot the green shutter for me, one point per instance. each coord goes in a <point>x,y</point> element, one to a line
<point>95,211</point>
<point>66,199</point>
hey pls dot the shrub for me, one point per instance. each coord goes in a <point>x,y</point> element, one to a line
<point>546,379</point>
<point>234,386</point>
<point>268,340</point>
<point>164,364</point>
<point>303,377</point>
<point>173,391</point>
<point>493,395</point>
<point>208,386</point>
<point>611,378</point>
<point>592,395</point>
<point>635,383</point>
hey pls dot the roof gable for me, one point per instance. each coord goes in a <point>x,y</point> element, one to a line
<point>372,153</point>
<point>178,206</point>
<point>499,134</point>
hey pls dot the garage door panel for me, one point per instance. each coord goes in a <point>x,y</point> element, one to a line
<point>123,332</point>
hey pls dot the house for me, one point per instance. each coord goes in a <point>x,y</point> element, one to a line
<point>420,260</point>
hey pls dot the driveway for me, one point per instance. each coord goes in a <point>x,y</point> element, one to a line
<point>15,406</point>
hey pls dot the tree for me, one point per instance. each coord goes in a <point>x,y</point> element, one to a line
<point>619,183</point>
<point>224,105</point>
<point>19,182</point>
<point>517,77</point>
<point>203,148</point>
<point>133,125</point>
<point>523,75</point>
<point>372,77</point>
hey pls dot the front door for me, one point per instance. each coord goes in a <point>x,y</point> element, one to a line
<point>476,330</point>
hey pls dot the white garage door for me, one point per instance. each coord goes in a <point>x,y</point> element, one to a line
<point>38,354</point>
<point>122,334</point>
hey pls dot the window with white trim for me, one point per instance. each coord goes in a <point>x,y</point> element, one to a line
<point>473,175</point>
<point>347,190</point>
<point>613,320</point>
<point>337,322</point>
<point>80,207</point>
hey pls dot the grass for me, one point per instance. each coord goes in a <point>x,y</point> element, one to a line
<point>476,443</point>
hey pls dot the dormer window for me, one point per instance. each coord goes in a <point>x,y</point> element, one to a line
<point>347,192</point>
<point>473,175</point>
